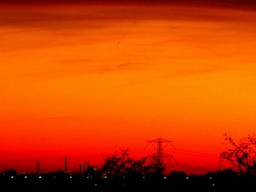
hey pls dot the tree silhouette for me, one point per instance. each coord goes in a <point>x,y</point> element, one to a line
<point>92,172</point>
<point>122,164</point>
<point>116,165</point>
<point>242,155</point>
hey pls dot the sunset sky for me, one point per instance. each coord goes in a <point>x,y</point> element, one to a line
<point>86,80</point>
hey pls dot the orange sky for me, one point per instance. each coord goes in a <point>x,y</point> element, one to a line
<point>89,80</point>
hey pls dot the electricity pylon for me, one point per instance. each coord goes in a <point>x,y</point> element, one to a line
<point>159,153</point>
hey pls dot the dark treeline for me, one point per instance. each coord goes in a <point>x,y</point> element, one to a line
<point>123,173</point>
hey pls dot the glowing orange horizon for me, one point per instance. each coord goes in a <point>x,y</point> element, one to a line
<point>94,79</point>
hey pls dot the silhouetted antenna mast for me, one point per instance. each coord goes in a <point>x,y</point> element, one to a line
<point>38,167</point>
<point>85,165</point>
<point>81,168</point>
<point>66,164</point>
<point>159,153</point>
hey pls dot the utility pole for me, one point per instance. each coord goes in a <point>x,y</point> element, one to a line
<point>81,169</point>
<point>66,164</point>
<point>159,153</point>
<point>85,165</point>
<point>38,166</point>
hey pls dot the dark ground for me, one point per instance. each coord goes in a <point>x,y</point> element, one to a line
<point>176,181</point>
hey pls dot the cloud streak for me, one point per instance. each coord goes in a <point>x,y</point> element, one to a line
<point>172,40</point>
<point>64,15</point>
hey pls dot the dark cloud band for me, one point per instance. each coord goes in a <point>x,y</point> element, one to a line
<point>232,2</point>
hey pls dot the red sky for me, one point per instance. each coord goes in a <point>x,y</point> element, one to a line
<point>87,80</point>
